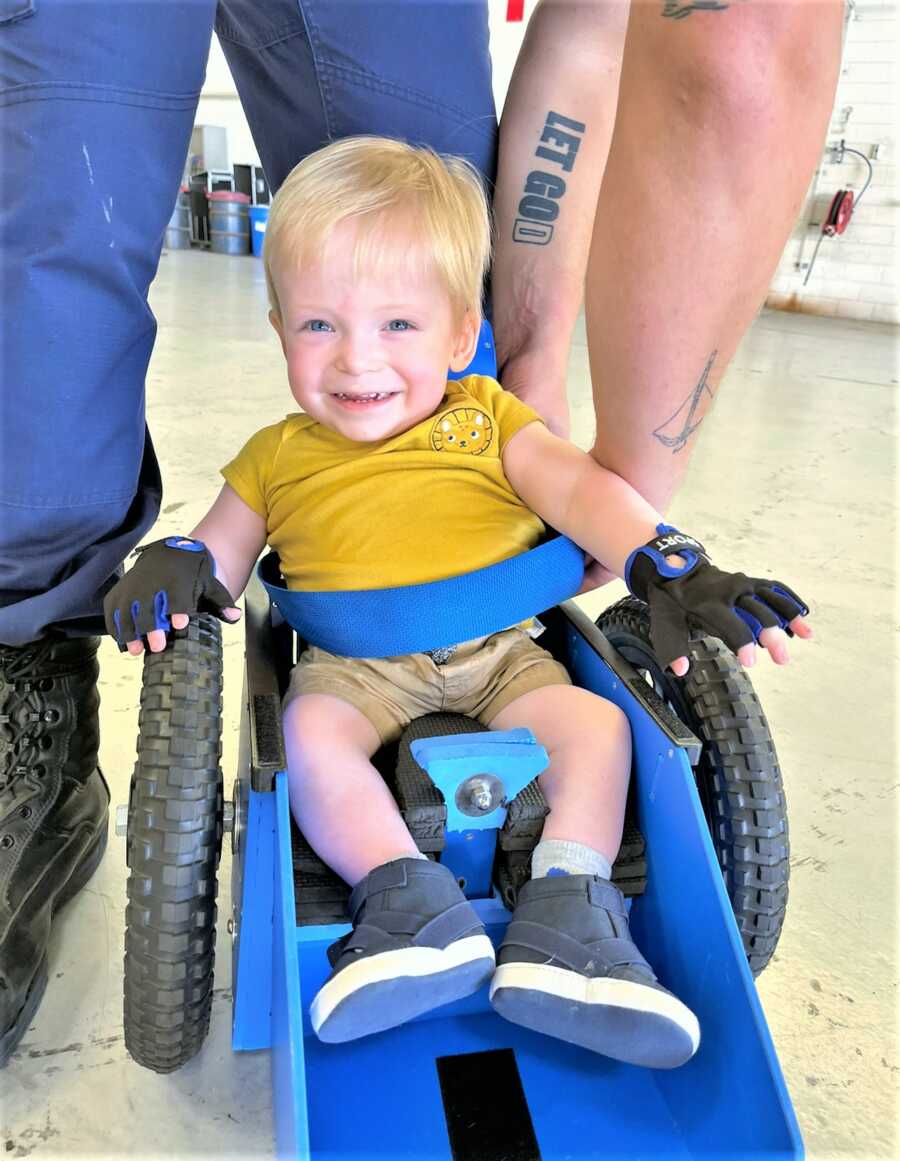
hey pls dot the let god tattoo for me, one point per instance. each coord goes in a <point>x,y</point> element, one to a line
<point>539,207</point>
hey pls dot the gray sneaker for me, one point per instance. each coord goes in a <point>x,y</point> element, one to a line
<point>416,943</point>
<point>567,967</point>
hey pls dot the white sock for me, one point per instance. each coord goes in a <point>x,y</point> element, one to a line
<point>561,857</point>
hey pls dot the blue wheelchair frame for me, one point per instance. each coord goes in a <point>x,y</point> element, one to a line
<point>386,1096</point>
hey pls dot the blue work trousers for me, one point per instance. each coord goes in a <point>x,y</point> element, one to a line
<point>97,102</point>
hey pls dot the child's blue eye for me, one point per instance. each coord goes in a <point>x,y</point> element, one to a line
<point>318,325</point>
<point>399,324</point>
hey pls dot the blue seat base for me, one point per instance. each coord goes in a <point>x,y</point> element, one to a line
<point>389,1096</point>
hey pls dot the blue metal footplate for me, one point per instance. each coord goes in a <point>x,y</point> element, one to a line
<point>462,1084</point>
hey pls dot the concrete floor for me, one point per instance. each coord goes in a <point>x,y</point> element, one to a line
<point>795,476</point>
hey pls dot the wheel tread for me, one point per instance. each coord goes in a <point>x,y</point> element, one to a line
<point>174,836</point>
<point>746,802</point>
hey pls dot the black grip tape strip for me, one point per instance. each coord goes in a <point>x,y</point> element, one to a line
<point>485,1107</point>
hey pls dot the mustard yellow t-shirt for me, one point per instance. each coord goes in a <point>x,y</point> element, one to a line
<point>429,503</point>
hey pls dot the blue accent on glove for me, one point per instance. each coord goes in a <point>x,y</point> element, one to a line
<point>687,554</point>
<point>750,621</point>
<point>185,544</point>
<point>791,598</point>
<point>669,542</point>
<point>177,575</point>
<point>161,610</point>
<point>416,618</point>
<point>666,570</point>
<point>702,598</point>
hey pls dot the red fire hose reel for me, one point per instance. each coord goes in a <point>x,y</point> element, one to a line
<point>836,221</point>
<point>841,209</point>
<point>839,213</point>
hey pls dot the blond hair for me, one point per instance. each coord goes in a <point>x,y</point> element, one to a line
<point>383,184</point>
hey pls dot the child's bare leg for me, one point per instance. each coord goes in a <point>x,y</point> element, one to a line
<point>588,742</point>
<point>416,942</point>
<point>567,965</point>
<point>338,798</point>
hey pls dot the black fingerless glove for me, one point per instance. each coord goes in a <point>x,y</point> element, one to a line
<point>728,605</point>
<point>173,575</point>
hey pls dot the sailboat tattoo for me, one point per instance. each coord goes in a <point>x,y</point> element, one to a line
<point>678,441</point>
<point>676,11</point>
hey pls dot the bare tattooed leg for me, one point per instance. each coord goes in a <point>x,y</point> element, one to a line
<point>678,428</point>
<point>721,118</point>
<point>674,10</point>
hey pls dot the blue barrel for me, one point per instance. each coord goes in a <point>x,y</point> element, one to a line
<point>259,216</point>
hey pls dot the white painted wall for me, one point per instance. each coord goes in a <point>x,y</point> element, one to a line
<point>506,40</point>
<point>855,274</point>
<point>219,105</point>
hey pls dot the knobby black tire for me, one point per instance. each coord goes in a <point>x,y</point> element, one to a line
<point>738,776</point>
<point>173,846</point>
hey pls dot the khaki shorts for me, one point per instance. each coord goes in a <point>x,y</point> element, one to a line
<point>479,680</point>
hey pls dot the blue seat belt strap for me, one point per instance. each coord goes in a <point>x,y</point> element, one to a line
<point>422,617</point>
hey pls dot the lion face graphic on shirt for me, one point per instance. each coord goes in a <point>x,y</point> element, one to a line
<point>464,430</point>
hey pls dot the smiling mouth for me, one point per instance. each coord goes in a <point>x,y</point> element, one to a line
<point>369,397</point>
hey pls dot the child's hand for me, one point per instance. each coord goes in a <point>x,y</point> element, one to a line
<point>685,592</point>
<point>774,641</point>
<point>177,573</point>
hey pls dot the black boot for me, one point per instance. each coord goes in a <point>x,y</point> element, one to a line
<point>54,804</point>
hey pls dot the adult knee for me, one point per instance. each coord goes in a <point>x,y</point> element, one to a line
<point>747,73</point>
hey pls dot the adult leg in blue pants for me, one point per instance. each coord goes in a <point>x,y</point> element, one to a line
<point>97,101</point>
<point>312,71</point>
<point>96,106</point>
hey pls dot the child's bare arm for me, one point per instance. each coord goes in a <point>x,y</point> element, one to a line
<point>603,514</point>
<point>235,535</point>
<point>597,509</point>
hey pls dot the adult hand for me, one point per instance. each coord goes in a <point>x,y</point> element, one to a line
<point>531,377</point>
<point>595,575</point>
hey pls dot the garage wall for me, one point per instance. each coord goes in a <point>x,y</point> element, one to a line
<point>855,274</point>
<point>219,104</point>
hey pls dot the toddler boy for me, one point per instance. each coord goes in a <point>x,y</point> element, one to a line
<point>391,475</point>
